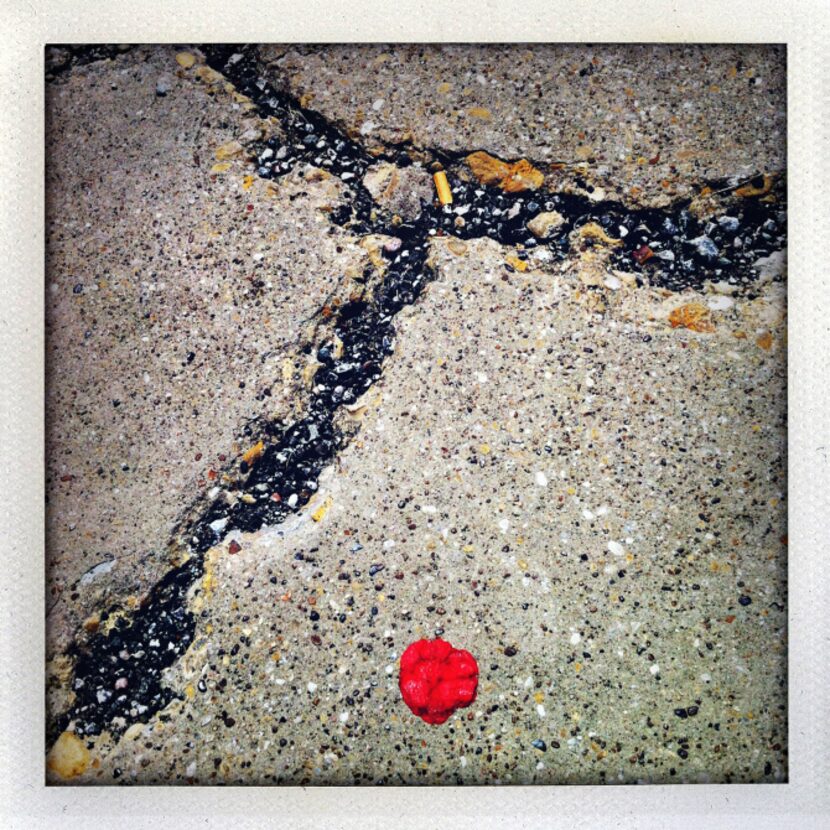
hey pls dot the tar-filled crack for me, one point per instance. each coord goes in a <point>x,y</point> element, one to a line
<point>61,57</point>
<point>118,676</point>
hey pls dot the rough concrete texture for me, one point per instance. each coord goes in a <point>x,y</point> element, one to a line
<point>560,486</point>
<point>400,191</point>
<point>177,299</point>
<point>548,474</point>
<point>645,123</point>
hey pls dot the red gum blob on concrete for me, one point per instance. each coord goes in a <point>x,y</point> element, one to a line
<point>436,679</point>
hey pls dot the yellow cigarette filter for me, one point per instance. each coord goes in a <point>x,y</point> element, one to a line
<point>443,188</point>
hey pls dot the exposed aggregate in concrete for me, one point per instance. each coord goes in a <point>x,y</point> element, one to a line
<point>646,123</point>
<point>175,297</point>
<point>576,403</point>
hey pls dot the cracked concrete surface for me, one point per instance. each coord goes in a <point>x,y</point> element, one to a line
<point>177,298</point>
<point>645,123</point>
<point>551,475</point>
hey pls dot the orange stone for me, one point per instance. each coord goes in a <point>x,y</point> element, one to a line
<point>68,757</point>
<point>693,316</point>
<point>512,178</point>
<point>764,341</point>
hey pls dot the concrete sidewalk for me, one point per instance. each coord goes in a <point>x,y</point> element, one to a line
<point>579,478</point>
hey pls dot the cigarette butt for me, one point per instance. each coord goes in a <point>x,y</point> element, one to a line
<point>443,188</point>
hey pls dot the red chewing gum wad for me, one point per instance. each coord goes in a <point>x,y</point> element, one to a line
<point>436,679</point>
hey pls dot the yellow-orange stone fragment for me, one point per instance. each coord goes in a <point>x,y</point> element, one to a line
<point>252,454</point>
<point>229,150</point>
<point>512,178</point>
<point>68,757</point>
<point>750,189</point>
<point>207,75</point>
<point>764,341</point>
<point>592,230</point>
<point>518,264</point>
<point>321,511</point>
<point>185,59</point>
<point>443,188</point>
<point>693,316</point>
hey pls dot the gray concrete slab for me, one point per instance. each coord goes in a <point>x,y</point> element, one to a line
<point>569,470</point>
<point>645,123</point>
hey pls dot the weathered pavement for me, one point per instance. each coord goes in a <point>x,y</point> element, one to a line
<point>547,471</point>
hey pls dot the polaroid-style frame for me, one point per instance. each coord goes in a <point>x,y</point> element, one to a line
<point>25,801</point>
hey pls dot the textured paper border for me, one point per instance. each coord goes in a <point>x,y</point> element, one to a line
<point>27,27</point>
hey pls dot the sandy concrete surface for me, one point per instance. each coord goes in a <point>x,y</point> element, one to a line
<point>177,300</point>
<point>576,475</point>
<point>646,123</point>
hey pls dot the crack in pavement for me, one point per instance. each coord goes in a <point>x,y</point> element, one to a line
<point>118,674</point>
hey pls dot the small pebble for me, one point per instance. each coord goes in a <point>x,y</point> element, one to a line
<point>720,302</point>
<point>705,247</point>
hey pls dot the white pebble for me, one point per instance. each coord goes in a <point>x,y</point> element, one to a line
<point>344,716</point>
<point>312,687</point>
<point>541,479</point>
<point>616,548</point>
<point>724,287</point>
<point>575,638</point>
<point>720,302</point>
<point>612,282</point>
<point>540,710</point>
<point>503,525</point>
<point>655,669</point>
